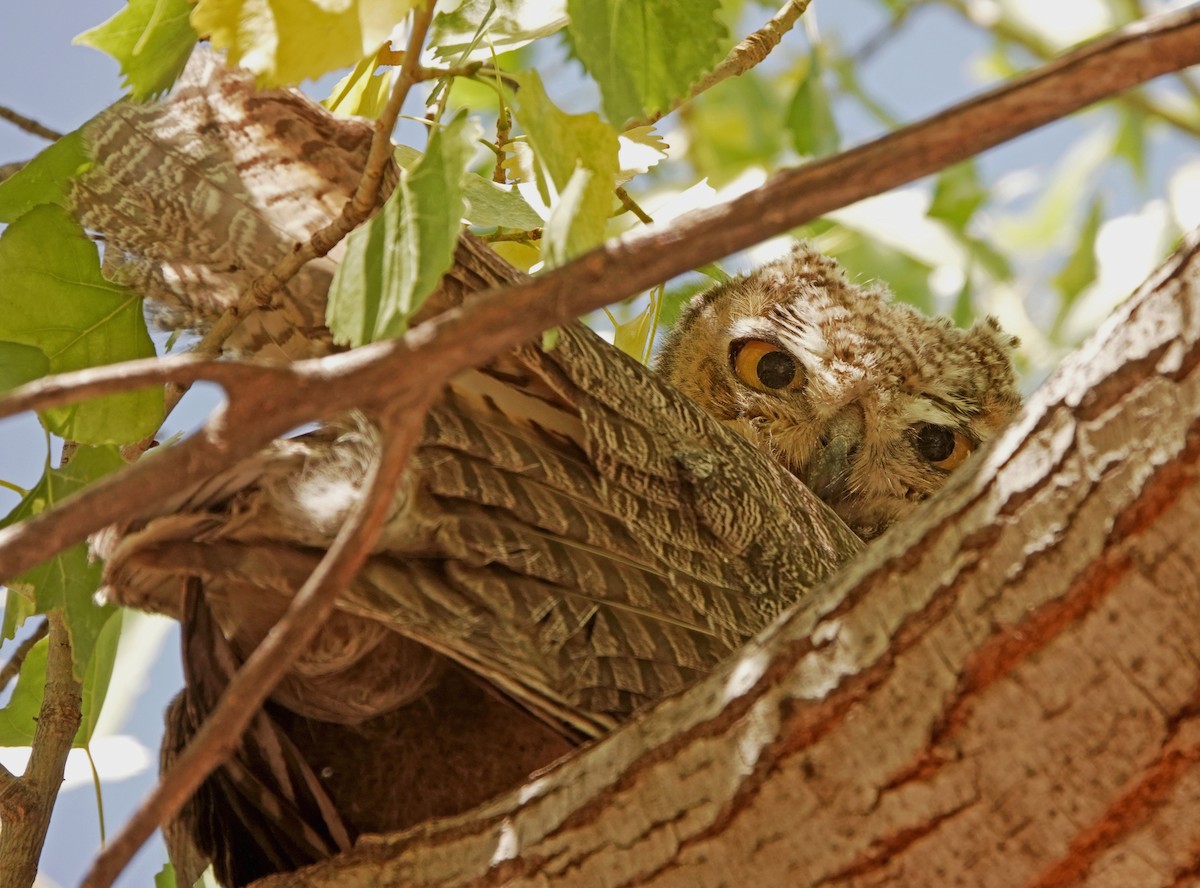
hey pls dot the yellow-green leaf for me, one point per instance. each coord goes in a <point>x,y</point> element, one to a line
<point>287,41</point>
<point>152,40</point>
<point>564,144</point>
<point>362,92</point>
<point>45,179</point>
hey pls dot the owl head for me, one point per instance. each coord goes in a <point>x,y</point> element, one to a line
<point>867,401</point>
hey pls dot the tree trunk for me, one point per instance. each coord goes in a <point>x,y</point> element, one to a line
<point>1002,691</point>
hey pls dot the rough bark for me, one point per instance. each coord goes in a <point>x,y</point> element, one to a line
<point>1002,692</point>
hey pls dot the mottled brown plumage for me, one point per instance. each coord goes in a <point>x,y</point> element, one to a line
<point>875,403</point>
<point>572,540</point>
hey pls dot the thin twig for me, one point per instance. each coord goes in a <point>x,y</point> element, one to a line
<point>28,124</point>
<point>12,668</point>
<point>308,611</point>
<point>748,53</point>
<point>493,322</point>
<point>632,205</point>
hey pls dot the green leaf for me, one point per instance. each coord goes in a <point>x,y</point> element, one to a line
<point>287,41</point>
<point>957,195</point>
<point>396,260</point>
<point>55,299</point>
<point>810,115</point>
<point>1080,268</point>
<point>165,877</point>
<point>490,203</point>
<point>556,235</point>
<point>98,675</point>
<point>18,718</point>
<point>20,364</point>
<point>17,609</point>
<point>735,127</point>
<point>67,581</point>
<point>1130,144</point>
<point>963,313</point>
<point>45,179</point>
<point>501,26</point>
<point>562,144</point>
<point>645,54</point>
<point>152,40</point>
<point>362,92</point>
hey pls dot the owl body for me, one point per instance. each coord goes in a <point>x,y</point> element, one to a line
<point>866,400</point>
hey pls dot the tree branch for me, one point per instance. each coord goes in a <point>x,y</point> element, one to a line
<point>21,840</point>
<point>218,737</point>
<point>493,322</point>
<point>1024,646</point>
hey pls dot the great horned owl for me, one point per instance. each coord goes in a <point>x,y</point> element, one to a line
<point>867,401</point>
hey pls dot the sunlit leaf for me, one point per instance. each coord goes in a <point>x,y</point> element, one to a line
<point>45,179</point>
<point>645,54</point>
<point>287,41</point>
<point>506,25</point>
<point>564,143</point>
<point>396,260</point>
<point>55,299</point>
<point>362,92</point>
<point>152,40</point>
<point>810,115</point>
<point>68,581</point>
<point>561,226</point>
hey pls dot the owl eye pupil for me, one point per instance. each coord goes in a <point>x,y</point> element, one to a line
<point>935,443</point>
<point>775,369</point>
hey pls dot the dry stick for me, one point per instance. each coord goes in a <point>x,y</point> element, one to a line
<point>21,841</point>
<point>28,124</point>
<point>496,321</point>
<point>748,53</point>
<point>308,611</point>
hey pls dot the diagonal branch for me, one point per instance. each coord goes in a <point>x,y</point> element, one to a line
<point>489,324</point>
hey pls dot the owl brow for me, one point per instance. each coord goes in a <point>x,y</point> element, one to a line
<point>960,408</point>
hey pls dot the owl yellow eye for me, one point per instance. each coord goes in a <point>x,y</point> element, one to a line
<point>943,446</point>
<point>763,365</point>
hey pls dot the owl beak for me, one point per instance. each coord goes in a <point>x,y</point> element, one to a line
<point>828,474</point>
